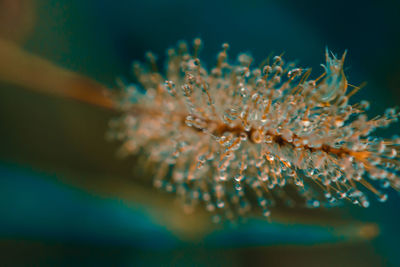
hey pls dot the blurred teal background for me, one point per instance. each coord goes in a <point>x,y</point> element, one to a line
<point>61,200</point>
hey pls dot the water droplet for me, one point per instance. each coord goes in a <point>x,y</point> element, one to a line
<point>220,204</point>
<point>382,197</point>
<point>312,203</point>
<point>266,213</point>
<point>238,187</point>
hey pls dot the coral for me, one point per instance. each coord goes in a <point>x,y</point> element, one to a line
<point>236,135</point>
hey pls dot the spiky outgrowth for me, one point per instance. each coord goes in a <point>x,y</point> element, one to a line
<point>237,135</point>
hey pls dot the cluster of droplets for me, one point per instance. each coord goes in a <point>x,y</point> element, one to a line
<point>238,137</point>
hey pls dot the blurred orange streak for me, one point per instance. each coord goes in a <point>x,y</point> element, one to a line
<point>25,69</point>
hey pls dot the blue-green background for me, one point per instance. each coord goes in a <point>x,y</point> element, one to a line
<point>45,221</point>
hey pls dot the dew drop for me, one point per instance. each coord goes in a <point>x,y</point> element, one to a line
<point>312,203</point>
<point>382,197</point>
<point>220,203</point>
<point>266,213</point>
<point>238,187</point>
